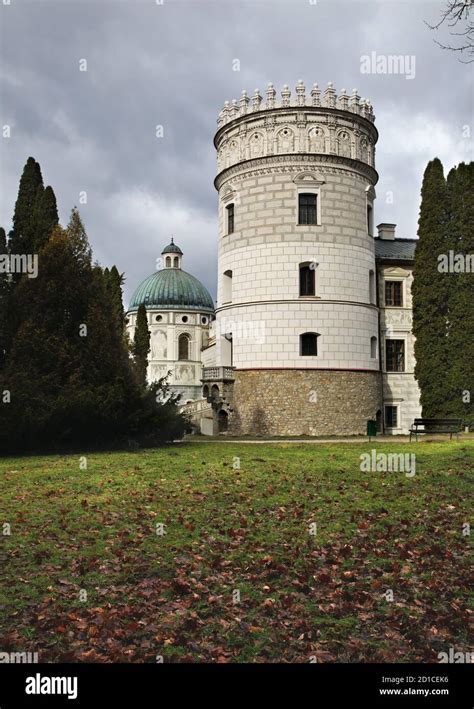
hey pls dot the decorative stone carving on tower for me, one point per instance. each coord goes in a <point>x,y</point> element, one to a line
<point>340,125</point>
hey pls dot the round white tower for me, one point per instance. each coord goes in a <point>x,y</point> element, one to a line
<point>297,315</point>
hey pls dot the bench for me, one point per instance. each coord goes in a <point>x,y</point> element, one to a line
<point>436,426</point>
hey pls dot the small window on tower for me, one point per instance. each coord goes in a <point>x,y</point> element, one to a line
<point>307,279</point>
<point>230,218</point>
<point>176,262</point>
<point>307,208</point>
<point>168,262</point>
<point>370,220</point>
<point>309,344</point>
<point>373,347</point>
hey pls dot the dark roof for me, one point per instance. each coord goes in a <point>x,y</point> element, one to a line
<point>172,249</point>
<point>395,250</point>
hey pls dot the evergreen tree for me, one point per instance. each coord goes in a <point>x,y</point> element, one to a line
<point>68,372</point>
<point>430,294</point>
<point>77,238</point>
<point>114,282</point>
<point>141,346</point>
<point>35,213</point>
<point>45,218</point>
<point>4,289</point>
<point>461,294</point>
<point>30,190</point>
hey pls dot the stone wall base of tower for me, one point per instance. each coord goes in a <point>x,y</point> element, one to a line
<point>296,402</point>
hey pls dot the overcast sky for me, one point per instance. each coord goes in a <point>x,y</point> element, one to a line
<point>171,64</point>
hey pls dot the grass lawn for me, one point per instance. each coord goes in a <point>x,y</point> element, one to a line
<point>247,530</point>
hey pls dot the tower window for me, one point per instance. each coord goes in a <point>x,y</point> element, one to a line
<point>227,287</point>
<point>168,262</point>
<point>370,220</point>
<point>373,347</point>
<point>371,287</point>
<point>307,279</point>
<point>183,346</point>
<point>176,262</point>
<point>309,344</point>
<point>394,293</point>
<point>230,218</point>
<point>307,212</point>
<point>395,355</point>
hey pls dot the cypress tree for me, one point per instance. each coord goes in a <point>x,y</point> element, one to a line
<point>114,282</point>
<point>29,194</point>
<point>4,288</point>
<point>430,291</point>
<point>45,217</point>
<point>461,294</point>
<point>141,346</point>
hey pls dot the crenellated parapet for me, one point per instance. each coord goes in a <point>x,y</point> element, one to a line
<point>344,102</point>
<point>322,123</point>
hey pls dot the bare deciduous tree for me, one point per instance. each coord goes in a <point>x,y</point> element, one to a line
<point>458,14</point>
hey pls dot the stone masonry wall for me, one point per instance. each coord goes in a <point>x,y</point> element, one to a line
<point>288,402</point>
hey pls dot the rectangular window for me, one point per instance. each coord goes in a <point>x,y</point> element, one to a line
<point>309,344</point>
<point>370,227</point>
<point>395,355</point>
<point>391,416</point>
<point>394,293</point>
<point>307,208</point>
<point>307,280</point>
<point>230,218</point>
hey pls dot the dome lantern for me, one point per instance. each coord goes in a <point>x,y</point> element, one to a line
<point>172,255</point>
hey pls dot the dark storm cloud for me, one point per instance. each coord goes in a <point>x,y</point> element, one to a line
<point>171,65</point>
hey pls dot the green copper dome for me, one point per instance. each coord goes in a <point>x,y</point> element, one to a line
<point>172,289</point>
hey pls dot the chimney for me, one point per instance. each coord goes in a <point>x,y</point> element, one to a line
<point>386,231</point>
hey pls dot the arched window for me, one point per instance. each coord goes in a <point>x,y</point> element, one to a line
<point>309,344</point>
<point>373,347</point>
<point>205,391</point>
<point>230,218</point>
<point>168,262</point>
<point>307,279</point>
<point>176,262</point>
<point>183,346</point>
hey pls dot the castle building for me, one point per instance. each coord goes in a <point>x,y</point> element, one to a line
<point>313,329</point>
<point>179,311</point>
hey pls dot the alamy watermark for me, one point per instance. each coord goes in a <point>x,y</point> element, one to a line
<point>19,263</point>
<point>403,64</point>
<point>455,263</point>
<point>242,330</point>
<point>456,656</point>
<point>374,462</point>
<point>18,658</point>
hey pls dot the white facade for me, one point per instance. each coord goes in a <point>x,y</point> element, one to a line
<point>165,330</point>
<point>400,389</point>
